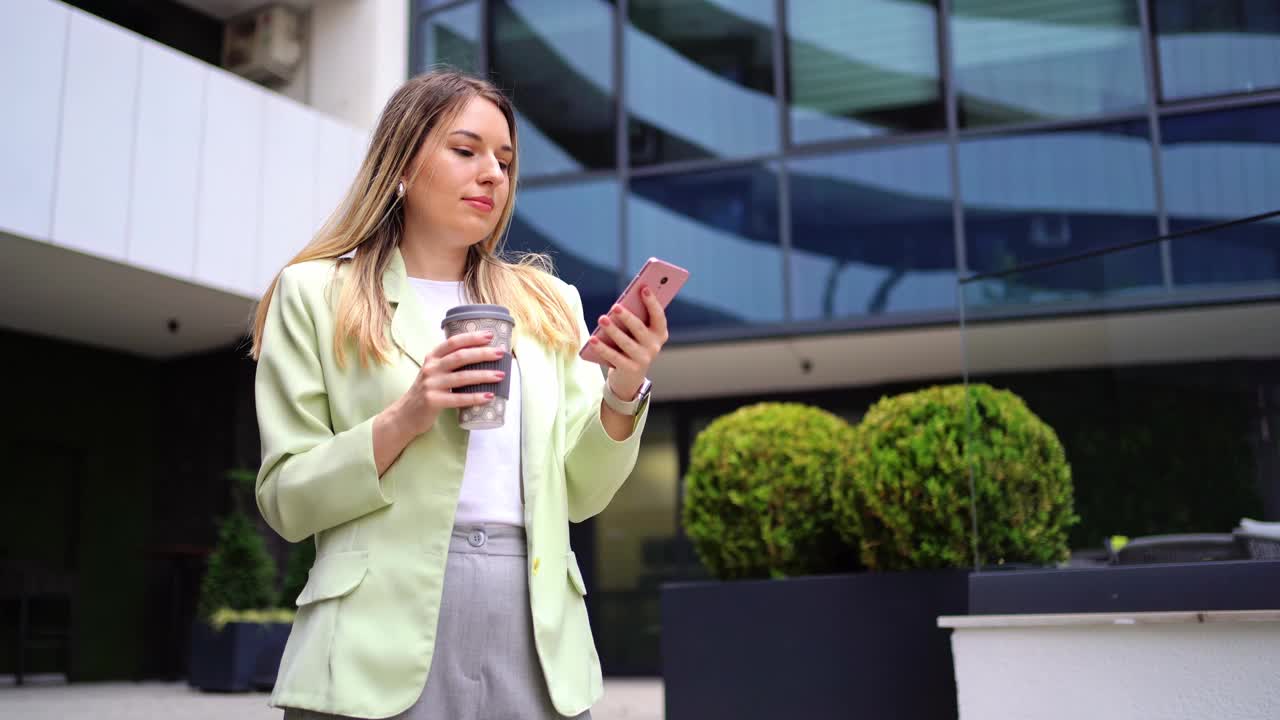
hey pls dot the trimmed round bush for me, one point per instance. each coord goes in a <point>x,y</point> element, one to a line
<point>757,499</point>
<point>907,501</point>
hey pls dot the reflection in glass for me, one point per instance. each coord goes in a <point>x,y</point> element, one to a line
<point>871,233</point>
<point>1217,47</point>
<point>578,225</point>
<point>723,227</point>
<point>699,79</point>
<point>859,69</point>
<point>451,37</point>
<point>1223,166</point>
<point>1040,196</point>
<point>555,59</point>
<point>1020,62</point>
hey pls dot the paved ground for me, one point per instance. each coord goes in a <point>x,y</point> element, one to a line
<point>623,700</point>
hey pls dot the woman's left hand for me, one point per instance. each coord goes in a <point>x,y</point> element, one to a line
<point>638,344</point>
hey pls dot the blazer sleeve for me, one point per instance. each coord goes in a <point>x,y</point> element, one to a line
<point>311,478</point>
<point>595,464</point>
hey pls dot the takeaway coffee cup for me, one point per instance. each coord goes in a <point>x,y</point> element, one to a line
<point>478,318</point>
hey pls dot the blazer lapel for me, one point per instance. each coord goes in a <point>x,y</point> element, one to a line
<point>411,331</point>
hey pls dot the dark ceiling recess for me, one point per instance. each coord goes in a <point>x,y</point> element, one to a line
<point>169,23</point>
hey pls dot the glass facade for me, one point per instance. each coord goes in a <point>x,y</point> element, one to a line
<point>863,69</point>
<point>557,66</point>
<point>1217,47</point>
<point>1017,61</point>
<point>699,80</point>
<point>1218,166</point>
<point>871,233</point>
<point>1038,196</point>
<point>842,164</point>
<point>702,218</point>
<point>450,37</point>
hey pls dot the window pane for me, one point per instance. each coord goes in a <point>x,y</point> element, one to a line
<point>699,79</point>
<point>859,69</point>
<point>1041,196</point>
<point>1217,47</point>
<point>872,233</point>
<point>1018,61</point>
<point>451,37</point>
<point>1223,166</point>
<point>555,58</point>
<point>578,225</point>
<point>723,227</point>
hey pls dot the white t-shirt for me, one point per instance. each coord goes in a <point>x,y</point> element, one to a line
<point>491,492</point>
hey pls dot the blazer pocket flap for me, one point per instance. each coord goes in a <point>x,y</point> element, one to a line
<point>575,575</point>
<point>334,575</point>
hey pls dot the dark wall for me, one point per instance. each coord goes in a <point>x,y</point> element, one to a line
<point>116,470</point>
<point>1160,448</point>
<point>204,425</point>
<point>169,23</point>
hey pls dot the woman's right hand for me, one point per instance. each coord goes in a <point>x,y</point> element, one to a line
<point>417,410</point>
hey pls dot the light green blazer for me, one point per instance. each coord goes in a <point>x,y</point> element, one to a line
<point>362,641</point>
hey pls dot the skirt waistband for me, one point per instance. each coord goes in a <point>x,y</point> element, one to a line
<point>488,540</point>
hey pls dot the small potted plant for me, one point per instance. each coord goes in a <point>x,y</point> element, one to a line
<point>239,632</point>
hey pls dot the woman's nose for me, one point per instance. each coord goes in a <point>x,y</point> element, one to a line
<point>491,172</point>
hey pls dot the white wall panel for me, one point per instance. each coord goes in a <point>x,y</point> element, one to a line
<point>91,205</point>
<point>230,194</point>
<point>289,157</point>
<point>33,36</point>
<point>335,168</point>
<point>166,161</point>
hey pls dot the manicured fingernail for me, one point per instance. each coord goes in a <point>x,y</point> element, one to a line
<point>595,341</point>
<point>646,292</point>
<point>488,396</point>
<point>499,352</point>
<point>500,374</point>
<point>617,310</point>
<point>604,320</point>
<point>488,334</point>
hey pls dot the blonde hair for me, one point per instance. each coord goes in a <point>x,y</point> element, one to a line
<point>370,221</point>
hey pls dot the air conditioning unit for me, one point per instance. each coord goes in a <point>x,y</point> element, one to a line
<point>264,45</point>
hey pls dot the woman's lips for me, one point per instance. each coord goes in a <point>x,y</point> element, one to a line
<point>479,203</point>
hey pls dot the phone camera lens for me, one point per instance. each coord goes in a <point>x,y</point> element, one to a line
<point>664,281</point>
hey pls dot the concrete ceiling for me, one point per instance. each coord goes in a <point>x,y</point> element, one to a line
<point>225,9</point>
<point>59,293</point>
<point>1222,332</point>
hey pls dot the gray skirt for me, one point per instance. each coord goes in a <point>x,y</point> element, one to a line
<point>485,665</point>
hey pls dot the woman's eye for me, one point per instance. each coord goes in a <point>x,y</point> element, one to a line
<point>463,152</point>
<point>505,166</point>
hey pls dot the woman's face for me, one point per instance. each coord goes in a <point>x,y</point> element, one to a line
<point>462,186</point>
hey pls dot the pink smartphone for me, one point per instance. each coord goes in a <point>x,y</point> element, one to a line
<point>660,276</point>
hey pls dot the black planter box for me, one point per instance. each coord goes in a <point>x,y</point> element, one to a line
<point>237,658</point>
<point>1221,585</point>
<point>864,645</point>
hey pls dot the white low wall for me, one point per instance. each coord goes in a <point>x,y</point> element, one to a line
<point>122,148</point>
<point>1143,666</point>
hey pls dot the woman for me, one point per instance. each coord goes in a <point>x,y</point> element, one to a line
<point>444,585</point>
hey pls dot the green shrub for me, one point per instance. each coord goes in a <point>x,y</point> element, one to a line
<point>241,575</point>
<point>301,557</point>
<point>907,502</point>
<point>757,495</point>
